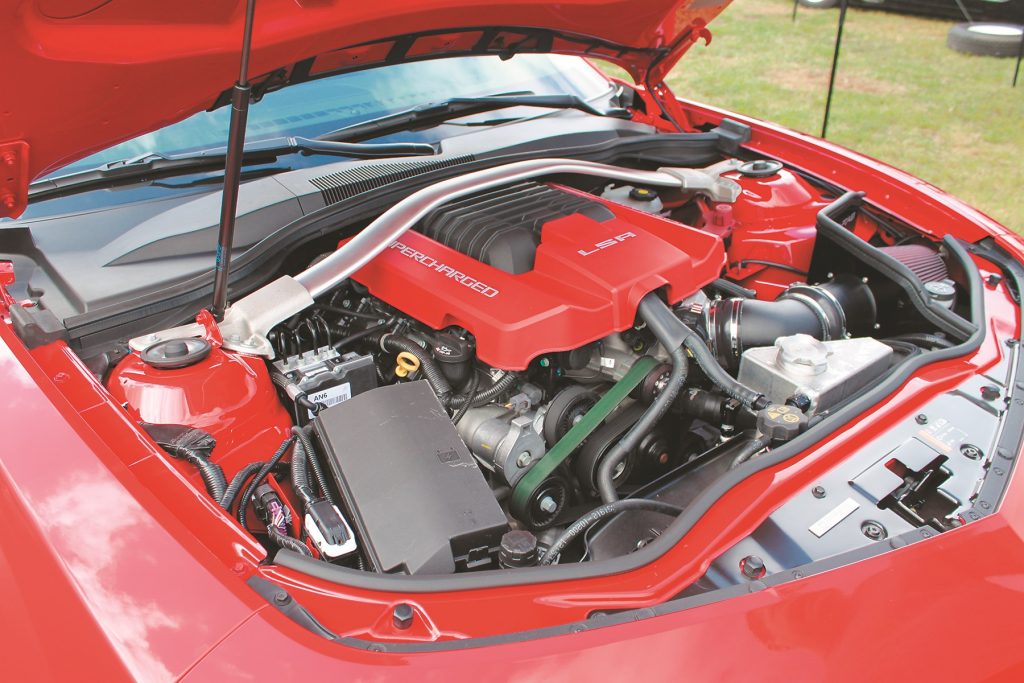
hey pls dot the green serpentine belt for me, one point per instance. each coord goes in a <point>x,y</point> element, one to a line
<point>590,421</point>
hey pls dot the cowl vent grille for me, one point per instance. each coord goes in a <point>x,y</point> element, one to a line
<point>336,187</point>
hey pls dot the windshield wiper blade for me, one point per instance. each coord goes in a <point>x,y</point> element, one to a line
<point>153,165</point>
<point>439,112</point>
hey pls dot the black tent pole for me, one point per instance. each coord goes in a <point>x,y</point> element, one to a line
<point>1020,55</point>
<point>835,66</point>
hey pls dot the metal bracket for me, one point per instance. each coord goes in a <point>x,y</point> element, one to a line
<point>13,178</point>
<point>247,322</point>
<point>709,181</point>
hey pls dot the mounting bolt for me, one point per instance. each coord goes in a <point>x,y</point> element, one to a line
<point>990,392</point>
<point>971,451</point>
<point>753,567</point>
<point>921,419</point>
<point>281,598</point>
<point>818,492</point>
<point>548,504</point>
<point>524,459</point>
<point>873,530</point>
<point>402,615</point>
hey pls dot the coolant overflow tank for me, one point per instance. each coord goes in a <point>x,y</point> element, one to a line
<point>826,372</point>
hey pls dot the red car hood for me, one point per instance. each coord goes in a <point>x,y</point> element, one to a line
<point>81,75</point>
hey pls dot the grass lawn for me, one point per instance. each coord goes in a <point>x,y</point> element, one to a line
<point>902,96</point>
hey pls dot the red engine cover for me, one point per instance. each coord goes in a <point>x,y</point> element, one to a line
<point>587,280</point>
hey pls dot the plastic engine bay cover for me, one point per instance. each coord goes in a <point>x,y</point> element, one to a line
<point>589,272</point>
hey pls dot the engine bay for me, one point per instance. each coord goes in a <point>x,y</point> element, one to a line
<point>529,358</point>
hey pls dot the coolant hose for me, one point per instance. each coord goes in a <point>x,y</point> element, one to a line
<point>665,325</point>
<point>748,450</point>
<point>597,514</point>
<point>237,482</point>
<point>730,386</point>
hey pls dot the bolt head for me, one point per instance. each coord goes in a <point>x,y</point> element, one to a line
<point>524,459</point>
<point>990,392</point>
<point>971,451</point>
<point>818,492</point>
<point>402,615</point>
<point>873,530</point>
<point>548,504</point>
<point>753,567</point>
<point>921,419</point>
<point>281,597</point>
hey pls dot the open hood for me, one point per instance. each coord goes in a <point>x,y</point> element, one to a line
<point>81,75</point>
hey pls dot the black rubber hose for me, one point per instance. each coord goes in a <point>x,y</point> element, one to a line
<point>474,382</point>
<point>288,543</point>
<point>599,513</point>
<point>212,474</point>
<point>314,462</point>
<point>237,482</point>
<point>356,336</point>
<point>662,322</point>
<point>730,288</point>
<point>482,397</point>
<point>748,451</point>
<point>260,476</point>
<point>719,377</point>
<point>395,343</point>
<point>926,340</point>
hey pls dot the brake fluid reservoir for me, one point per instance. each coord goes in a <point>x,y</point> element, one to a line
<point>640,198</point>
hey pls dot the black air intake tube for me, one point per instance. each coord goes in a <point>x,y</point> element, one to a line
<point>828,311</point>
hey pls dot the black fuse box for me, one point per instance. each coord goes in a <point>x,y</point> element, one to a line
<point>416,497</point>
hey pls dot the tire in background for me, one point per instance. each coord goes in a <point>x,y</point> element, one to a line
<point>819,4</point>
<point>987,39</point>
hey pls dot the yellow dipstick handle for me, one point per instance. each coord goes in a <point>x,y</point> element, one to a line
<point>406,364</point>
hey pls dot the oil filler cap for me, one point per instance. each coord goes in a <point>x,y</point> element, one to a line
<point>172,354</point>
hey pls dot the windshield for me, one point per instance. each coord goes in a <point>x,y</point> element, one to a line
<point>313,108</point>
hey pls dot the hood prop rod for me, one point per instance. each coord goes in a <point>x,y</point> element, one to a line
<point>241,94</point>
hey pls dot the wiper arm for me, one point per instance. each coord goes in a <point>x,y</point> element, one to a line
<point>439,112</point>
<point>155,165</point>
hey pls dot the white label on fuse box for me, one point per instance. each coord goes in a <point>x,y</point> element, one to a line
<point>331,396</point>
